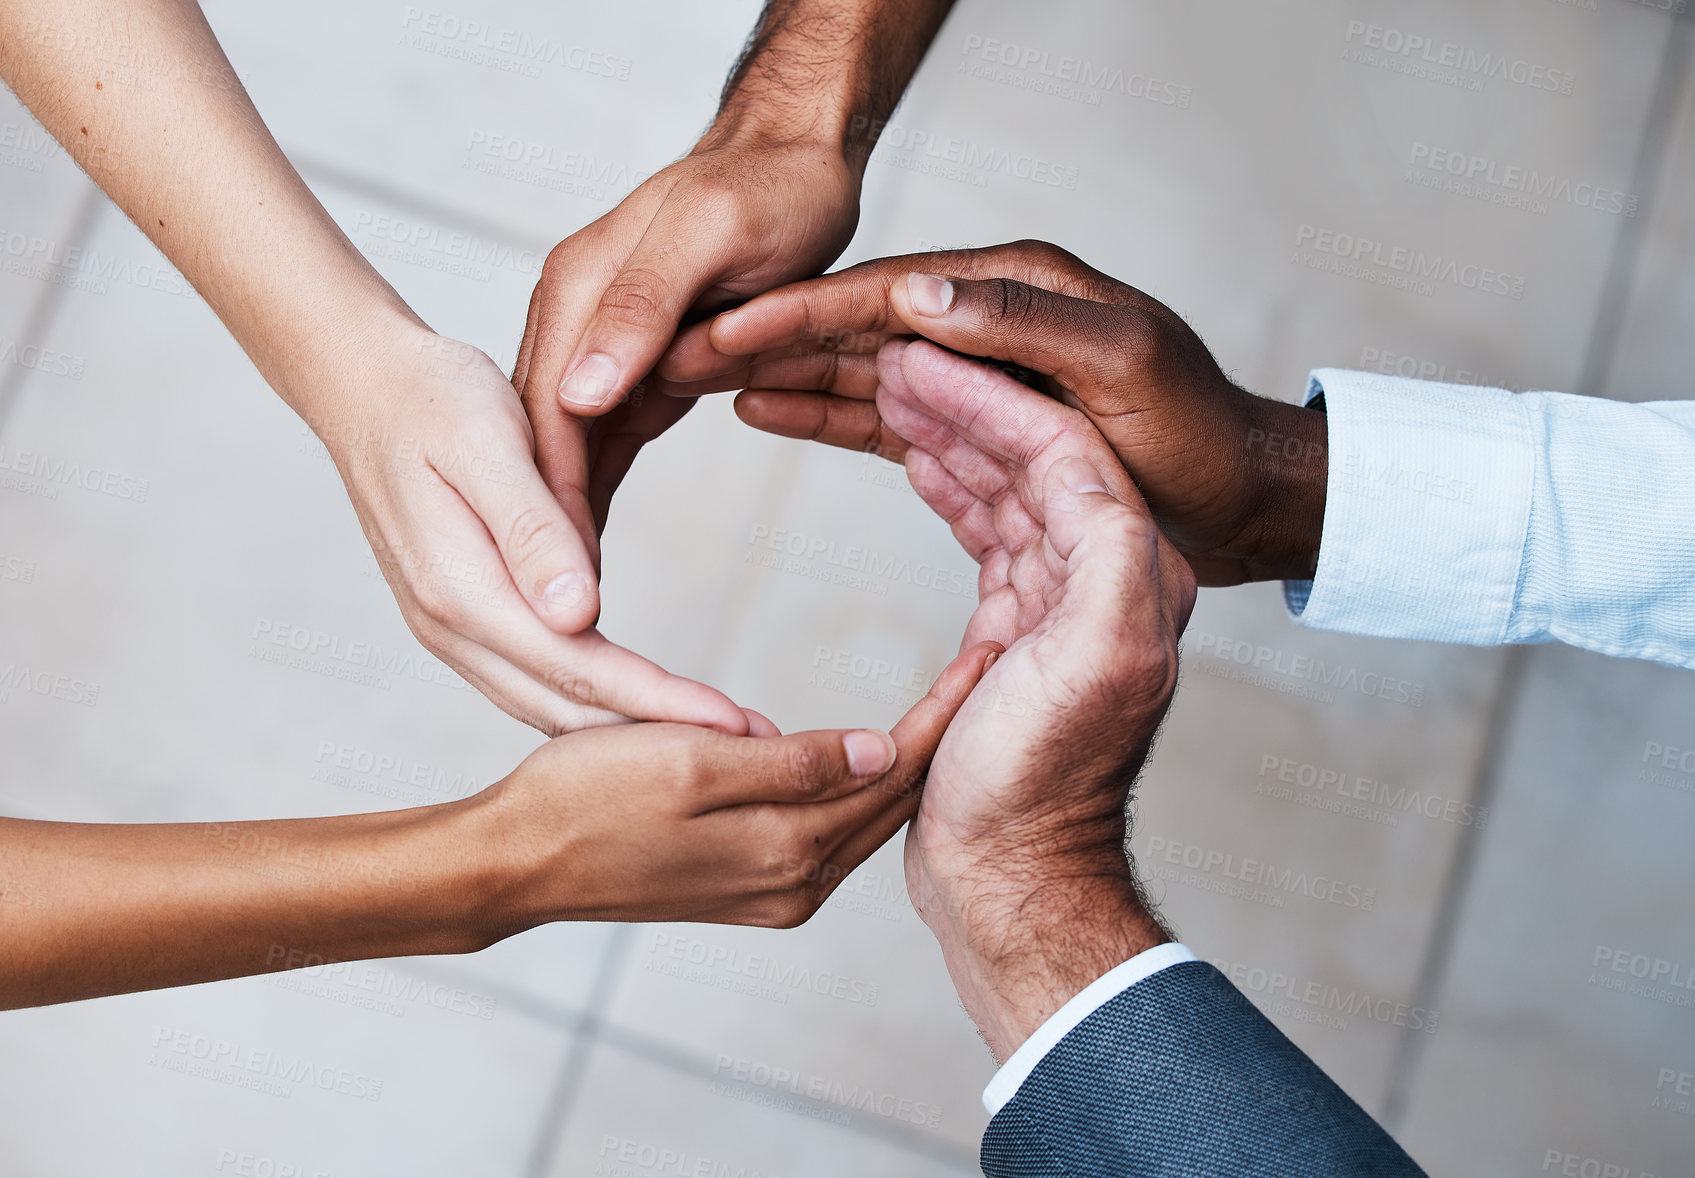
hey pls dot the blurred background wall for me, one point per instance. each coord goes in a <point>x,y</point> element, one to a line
<point>1511,991</point>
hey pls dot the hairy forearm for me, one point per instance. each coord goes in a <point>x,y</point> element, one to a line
<point>828,70</point>
<point>88,910</point>
<point>142,96</point>
<point>1020,951</point>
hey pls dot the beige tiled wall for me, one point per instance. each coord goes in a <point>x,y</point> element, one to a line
<point>1490,1038</point>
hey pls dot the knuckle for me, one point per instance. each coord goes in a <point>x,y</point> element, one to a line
<point>636,296</point>
<point>808,767</point>
<point>568,682</point>
<point>438,605</point>
<point>533,534</point>
<point>1009,301</point>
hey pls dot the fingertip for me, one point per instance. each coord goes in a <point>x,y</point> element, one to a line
<point>570,603</point>
<point>1073,477</point>
<point>869,752</point>
<point>929,295</point>
<point>592,384</point>
<point>760,725</point>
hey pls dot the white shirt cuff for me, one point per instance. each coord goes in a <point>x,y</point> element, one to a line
<point>1426,513</point>
<point>1102,990</point>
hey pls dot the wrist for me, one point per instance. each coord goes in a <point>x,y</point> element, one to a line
<point>1288,463</point>
<point>349,347</point>
<point>829,130</point>
<point>1017,955</point>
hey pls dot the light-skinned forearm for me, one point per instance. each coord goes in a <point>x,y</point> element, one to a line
<point>88,910</point>
<point>827,71</point>
<point>142,96</point>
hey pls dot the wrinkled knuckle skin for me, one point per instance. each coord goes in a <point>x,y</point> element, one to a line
<point>635,296</point>
<point>1009,301</point>
<point>531,535</point>
<point>569,683</point>
<point>808,768</point>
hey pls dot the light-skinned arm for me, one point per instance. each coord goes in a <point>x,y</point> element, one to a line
<point>430,438</point>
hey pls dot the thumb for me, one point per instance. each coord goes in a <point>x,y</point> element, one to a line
<point>1110,546</point>
<point>638,314</point>
<point>543,549</point>
<point>803,767</point>
<point>1082,343</point>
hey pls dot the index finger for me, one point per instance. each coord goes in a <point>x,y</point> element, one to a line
<point>859,300</point>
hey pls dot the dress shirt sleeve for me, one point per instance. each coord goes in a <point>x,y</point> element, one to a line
<point>1097,994</point>
<point>1479,516</point>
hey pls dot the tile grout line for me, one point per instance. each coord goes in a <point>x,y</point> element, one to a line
<point>1456,886</point>
<point>1645,181</point>
<point>562,1100</point>
<point>1597,367</point>
<point>449,215</point>
<point>46,308</point>
<point>656,1051</point>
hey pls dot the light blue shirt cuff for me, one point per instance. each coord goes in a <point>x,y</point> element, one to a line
<point>1426,509</point>
<point>1475,515</point>
<point>1102,990</point>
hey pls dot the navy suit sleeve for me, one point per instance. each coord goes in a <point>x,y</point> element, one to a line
<point>1182,1075</point>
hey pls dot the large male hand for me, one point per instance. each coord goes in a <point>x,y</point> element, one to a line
<point>1236,481</point>
<point>733,218</point>
<point>1017,857</point>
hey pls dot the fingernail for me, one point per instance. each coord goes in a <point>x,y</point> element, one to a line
<point>1078,477</point>
<point>869,752</point>
<point>564,592</point>
<point>990,661</point>
<point>930,295</point>
<point>591,381</point>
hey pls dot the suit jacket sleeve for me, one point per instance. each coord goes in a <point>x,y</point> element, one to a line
<point>1181,1075</point>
